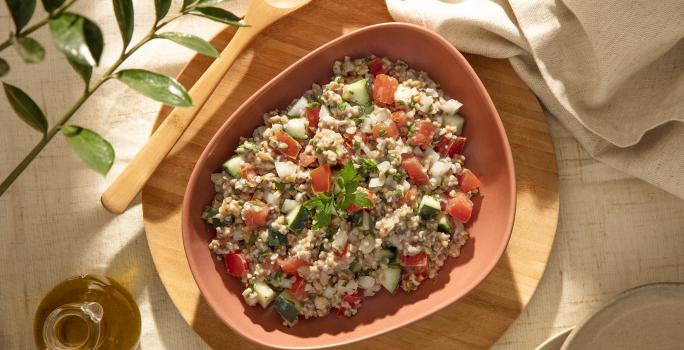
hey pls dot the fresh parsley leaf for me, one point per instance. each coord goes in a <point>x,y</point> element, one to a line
<point>361,200</point>
<point>399,175</point>
<point>357,145</point>
<point>412,128</point>
<point>323,206</point>
<point>342,106</point>
<point>367,167</point>
<point>382,133</point>
<point>312,105</point>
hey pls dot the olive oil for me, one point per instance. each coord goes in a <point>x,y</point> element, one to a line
<point>87,312</point>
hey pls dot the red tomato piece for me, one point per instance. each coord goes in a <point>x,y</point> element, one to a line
<point>236,265</point>
<point>425,131</point>
<point>457,146</point>
<point>409,196</point>
<point>297,289</point>
<point>399,118</point>
<point>443,146</point>
<point>340,312</point>
<point>248,172</point>
<point>415,171</point>
<point>385,129</point>
<point>256,216</point>
<point>306,159</point>
<point>468,181</point>
<point>312,115</point>
<point>384,87</point>
<point>375,66</point>
<point>290,267</point>
<point>293,146</point>
<point>353,298</point>
<point>460,207</point>
<point>418,260</point>
<point>321,179</point>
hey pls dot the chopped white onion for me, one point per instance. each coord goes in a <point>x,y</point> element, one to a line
<point>439,169</point>
<point>425,103</point>
<point>272,198</point>
<point>289,205</point>
<point>375,182</point>
<point>285,169</point>
<point>383,167</point>
<point>451,107</point>
<point>366,282</point>
<point>404,94</point>
<point>340,239</point>
<point>299,108</point>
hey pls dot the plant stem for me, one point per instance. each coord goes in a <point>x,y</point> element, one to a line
<point>70,113</point>
<point>7,43</point>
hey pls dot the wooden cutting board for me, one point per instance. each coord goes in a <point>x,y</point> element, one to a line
<point>477,320</point>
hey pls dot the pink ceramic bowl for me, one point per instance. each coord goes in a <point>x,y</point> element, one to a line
<point>488,154</point>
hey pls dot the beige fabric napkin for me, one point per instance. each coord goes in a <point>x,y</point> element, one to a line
<point>612,71</point>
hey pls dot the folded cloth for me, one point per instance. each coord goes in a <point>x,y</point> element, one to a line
<point>611,71</point>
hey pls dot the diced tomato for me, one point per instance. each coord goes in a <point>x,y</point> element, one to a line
<point>425,131</point>
<point>409,196</point>
<point>248,172</point>
<point>236,265</point>
<point>321,179</point>
<point>290,267</point>
<point>384,88</point>
<point>256,216</point>
<point>457,146</point>
<point>385,129</point>
<point>353,298</point>
<point>468,181</point>
<point>375,66</point>
<point>418,260</point>
<point>460,207</point>
<point>306,159</point>
<point>312,115</point>
<point>399,118</point>
<point>293,146</point>
<point>415,171</point>
<point>297,289</point>
<point>340,312</point>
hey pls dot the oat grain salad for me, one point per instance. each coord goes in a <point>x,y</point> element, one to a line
<point>358,186</point>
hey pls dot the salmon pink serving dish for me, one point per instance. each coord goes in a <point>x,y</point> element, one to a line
<point>329,210</point>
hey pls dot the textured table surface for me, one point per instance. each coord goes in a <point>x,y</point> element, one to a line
<point>615,232</point>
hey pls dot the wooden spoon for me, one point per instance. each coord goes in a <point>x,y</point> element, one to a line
<point>260,14</point>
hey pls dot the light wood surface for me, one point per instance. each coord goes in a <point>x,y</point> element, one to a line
<point>477,320</point>
<point>260,15</point>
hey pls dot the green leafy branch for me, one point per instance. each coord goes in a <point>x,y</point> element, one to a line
<point>81,41</point>
<point>344,193</point>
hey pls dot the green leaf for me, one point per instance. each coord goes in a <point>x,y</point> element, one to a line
<point>78,38</point>
<point>25,108</point>
<point>191,42</point>
<point>123,10</point>
<point>361,200</point>
<point>29,49</point>
<point>209,2</point>
<point>219,15</point>
<point>187,3</point>
<point>161,8</point>
<point>21,11</point>
<point>84,70</point>
<point>51,5</point>
<point>96,152</point>
<point>4,68</point>
<point>155,86</point>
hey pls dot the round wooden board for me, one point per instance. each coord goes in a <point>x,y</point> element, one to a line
<point>477,320</point>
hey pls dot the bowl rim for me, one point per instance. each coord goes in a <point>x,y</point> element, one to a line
<point>437,306</point>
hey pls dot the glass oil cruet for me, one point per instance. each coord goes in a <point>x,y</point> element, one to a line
<point>87,312</point>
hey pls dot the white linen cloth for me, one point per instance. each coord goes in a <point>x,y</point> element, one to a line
<point>611,71</point>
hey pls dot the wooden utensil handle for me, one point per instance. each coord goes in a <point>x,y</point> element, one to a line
<point>126,186</point>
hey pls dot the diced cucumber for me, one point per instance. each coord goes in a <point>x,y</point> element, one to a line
<point>365,221</point>
<point>264,293</point>
<point>390,277</point>
<point>286,306</point>
<point>285,169</point>
<point>299,108</point>
<point>275,238</point>
<point>429,207</point>
<point>297,218</point>
<point>356,92</point>
<point>445,225</point>
<point>289,205</point>
<point>451,107</point>
<point>456,121</point>
<point>296,128</point>
<point>355,266</point>
<point>385,254</point>
<point>234,165</point>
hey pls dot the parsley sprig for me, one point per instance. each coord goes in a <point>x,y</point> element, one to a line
<point>344,194</point>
